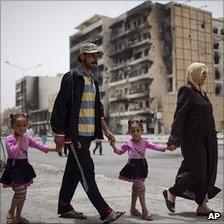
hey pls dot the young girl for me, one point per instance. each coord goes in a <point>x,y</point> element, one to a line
<point>18,172</point>
<point>136,169</point>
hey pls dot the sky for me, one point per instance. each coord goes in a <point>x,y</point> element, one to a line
<point>37,32</point>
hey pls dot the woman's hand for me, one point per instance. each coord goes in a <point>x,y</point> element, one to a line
<point>171,147</point>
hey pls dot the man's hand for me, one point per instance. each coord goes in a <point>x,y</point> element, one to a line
<point>59,142</point>
<point>107,131</point>
<point>110,136</point>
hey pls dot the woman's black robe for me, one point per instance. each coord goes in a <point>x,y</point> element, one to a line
<point>193,129</point>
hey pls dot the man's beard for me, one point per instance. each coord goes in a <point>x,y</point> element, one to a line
<point>91,66</point>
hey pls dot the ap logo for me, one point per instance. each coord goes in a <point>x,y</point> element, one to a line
<point>214,215</point>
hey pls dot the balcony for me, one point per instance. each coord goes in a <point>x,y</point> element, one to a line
<point>120,97</point>
<point>139,77</point>
<point>130,46</point>
<point>122,32</point>
<point>120,66</point>
<point>19,97</point>
<point>18,90</point>
<point>139,60</point>
<point>132,79</point>
<point>130,62</point>
<point>119,82</point>
<point>130,113</point>
<point>138,94</point>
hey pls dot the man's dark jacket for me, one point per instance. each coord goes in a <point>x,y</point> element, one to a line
<point>65,114</point>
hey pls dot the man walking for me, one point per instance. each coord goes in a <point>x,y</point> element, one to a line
<point>78,116</point>
<point>98,145</point>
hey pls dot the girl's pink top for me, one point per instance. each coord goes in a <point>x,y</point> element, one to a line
<point>16,152</point>
<point>137,150</point>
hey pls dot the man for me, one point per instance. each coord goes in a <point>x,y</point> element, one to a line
<point>78,115</point>
<point>43,135</point>
<point>98,145</point>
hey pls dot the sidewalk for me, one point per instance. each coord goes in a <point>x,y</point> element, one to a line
<point>41,203</point>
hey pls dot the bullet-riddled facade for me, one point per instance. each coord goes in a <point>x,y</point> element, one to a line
<point>192,40</point>
<point>130,43</point>
<point>148,50</point>
<point>218,49</point>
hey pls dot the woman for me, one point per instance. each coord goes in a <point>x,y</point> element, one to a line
<point>193,129</point>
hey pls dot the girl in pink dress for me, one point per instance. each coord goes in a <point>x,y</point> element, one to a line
<point>136,169</point>
<point>18,173</point>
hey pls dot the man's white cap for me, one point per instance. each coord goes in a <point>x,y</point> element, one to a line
<point>90,48</point>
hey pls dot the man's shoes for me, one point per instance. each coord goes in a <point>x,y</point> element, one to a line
<point>73,214</point>
<point>113,216</point>
<point>169,204</point>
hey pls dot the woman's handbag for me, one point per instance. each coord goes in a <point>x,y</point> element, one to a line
<point>2,160</point>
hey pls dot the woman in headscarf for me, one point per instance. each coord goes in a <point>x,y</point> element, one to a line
<point>193,130</point>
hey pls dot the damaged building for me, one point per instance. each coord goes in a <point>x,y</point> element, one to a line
<point>147,51</point>
<point>32,93</point>
<point>152,46</point>
<point>218,48</point>
<point>141,66</point>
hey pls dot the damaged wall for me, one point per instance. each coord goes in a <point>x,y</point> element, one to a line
<point>159,54</point>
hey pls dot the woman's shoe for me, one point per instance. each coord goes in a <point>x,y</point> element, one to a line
<point>169,204</point>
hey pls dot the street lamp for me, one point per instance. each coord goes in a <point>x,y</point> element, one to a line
<point>23,69</point>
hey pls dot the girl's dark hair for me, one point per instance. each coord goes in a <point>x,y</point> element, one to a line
<point>138,122</point>
<point>13,117</point>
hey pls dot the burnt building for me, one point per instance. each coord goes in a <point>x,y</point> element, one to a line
<point>147,52</point>
<point>152,46</point>
<point>32,97</point>
<point>218,49</point>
